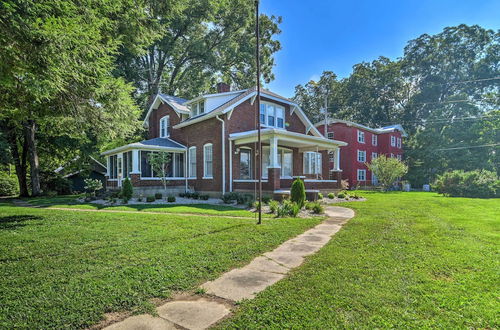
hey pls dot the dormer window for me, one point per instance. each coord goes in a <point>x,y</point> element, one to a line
<point>272,115</point>
<point>164,129</point>
<point>197,108</point>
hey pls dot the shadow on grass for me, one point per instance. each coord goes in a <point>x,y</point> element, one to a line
<point>16,221</point>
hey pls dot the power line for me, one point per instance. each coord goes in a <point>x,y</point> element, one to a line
<point>469,147</point>
<point>453,119</point>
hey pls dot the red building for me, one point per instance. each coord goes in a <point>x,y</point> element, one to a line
<point>363,145</point>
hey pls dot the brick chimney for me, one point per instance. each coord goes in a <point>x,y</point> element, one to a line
<point>223,87</point>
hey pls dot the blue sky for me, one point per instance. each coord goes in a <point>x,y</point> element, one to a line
<point>320,35</point>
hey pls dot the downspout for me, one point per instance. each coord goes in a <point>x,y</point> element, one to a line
<point>223,154</point>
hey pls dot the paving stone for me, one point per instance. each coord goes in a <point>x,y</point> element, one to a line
<point>287,259</point>
<point>339,212</point>
<point>142,322</point>
<point>311,238</point>
<point>241,283</point>
<point>330,228</point>
<point>193,314</point>
<point>264,264</point>
<point>301,249</point>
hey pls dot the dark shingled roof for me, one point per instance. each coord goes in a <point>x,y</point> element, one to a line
<point>162,142</point>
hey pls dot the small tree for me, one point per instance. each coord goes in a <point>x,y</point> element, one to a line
<point>127,189</point>
<point>92,185</point>
<point>387,170</point>
<point>298,192</point>
<point>159,161</point>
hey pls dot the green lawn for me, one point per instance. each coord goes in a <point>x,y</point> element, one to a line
<point>65,269</point>
<point>407,260</point>
<point>71,202</point>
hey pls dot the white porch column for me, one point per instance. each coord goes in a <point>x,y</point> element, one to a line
<point>337,159</point>
<point>135,162</point>
<point>230,166</point>
<point>273,152</point>
<point>108,167</point>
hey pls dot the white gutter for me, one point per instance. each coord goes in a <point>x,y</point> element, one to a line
<point>223,155</point>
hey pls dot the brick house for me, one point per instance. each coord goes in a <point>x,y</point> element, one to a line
<point>212,140</point>
<point>363,144</point>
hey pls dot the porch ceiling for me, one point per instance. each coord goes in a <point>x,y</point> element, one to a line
<point>287,139</point>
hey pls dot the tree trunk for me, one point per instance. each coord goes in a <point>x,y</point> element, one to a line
<point>19,162</point>
<point>29,131</point>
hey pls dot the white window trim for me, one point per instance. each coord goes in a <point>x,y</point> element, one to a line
<point>364,155</point>
<point>393,141</point>
<point>398,143</point>
<point>319,166</point>
<point>275,117</point>
<point>195,108</point>
<point>189,163</point>
<point>361,134</point>
<point>361,171</point>
<point>331,137</point>
<point>167,120</point>
<point>374,155</point>
<point>205,176</point>
<point>374,140</point>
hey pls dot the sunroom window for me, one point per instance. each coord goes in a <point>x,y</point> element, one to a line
<point>312,162</point>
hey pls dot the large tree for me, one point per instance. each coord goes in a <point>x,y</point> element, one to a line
<point>56,73</point>
<point>198,43</point>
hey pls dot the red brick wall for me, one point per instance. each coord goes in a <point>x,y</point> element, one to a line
<point>349,154</point>
<point>154,121</point>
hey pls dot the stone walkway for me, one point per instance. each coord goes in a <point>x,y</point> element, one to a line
<point>201,312</point>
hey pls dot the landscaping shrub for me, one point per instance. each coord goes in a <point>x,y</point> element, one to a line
<point>298,192</point>
<point>287,208</point>
<point>92,185</point>
<point>320,196</point>
<point>244,199</point>
<point>9,185</point>
<point>204,197</point>
<point>195,195</point>
<point>182,194</point>
<point>309,205</point>
<point>256,205</point>
<point>171,199</point>
<point>318,208</point>
<point>477,183</point>
<point>151,199</point>
<point>127,189</point>
<point>227,198</point>
<point>331,195</point>
<point>273,206</point>
<point>340,195</point>
<point>158,196</point>
<point>266,199</point>
<point>125,200</point>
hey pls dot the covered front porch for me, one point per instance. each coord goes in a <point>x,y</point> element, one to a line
<point>285,156</point>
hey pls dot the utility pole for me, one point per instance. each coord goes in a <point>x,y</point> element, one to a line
<point>257,103</point>
<point>326,115</point>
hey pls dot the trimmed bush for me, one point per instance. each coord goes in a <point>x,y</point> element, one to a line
<point>273,206</point>
<point>171,199</point>
<point>478,183</point>
<point>320,196</point>
<point>127,189</point>
<point>158,196</point>
<point>287,208</point>
<point>340,195</point>
<point>204,197</point>
<point>8,185</point>
<point>227,198</point>
<point>298,192</point>
<point>266,199</point>
<point>151,199</point>
<point>318,208</point>
<point>331,195</point>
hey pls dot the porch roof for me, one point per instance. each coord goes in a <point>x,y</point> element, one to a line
<point>156,144</point>
<point>287,138</point>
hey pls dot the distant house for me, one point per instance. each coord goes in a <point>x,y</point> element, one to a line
<point>94,170</point>
<point>212,140</point>
<point>363,144</point>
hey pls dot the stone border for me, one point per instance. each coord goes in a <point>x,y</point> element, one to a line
<point>203,311</point>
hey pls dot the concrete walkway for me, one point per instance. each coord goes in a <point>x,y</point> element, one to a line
<point>201,312</point>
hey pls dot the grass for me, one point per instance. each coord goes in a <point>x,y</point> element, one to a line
<point>65,269</point>
<point>71,202</point>
<point>407,260</point>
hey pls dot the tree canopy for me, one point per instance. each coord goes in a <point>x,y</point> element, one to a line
<point>444,91</point>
